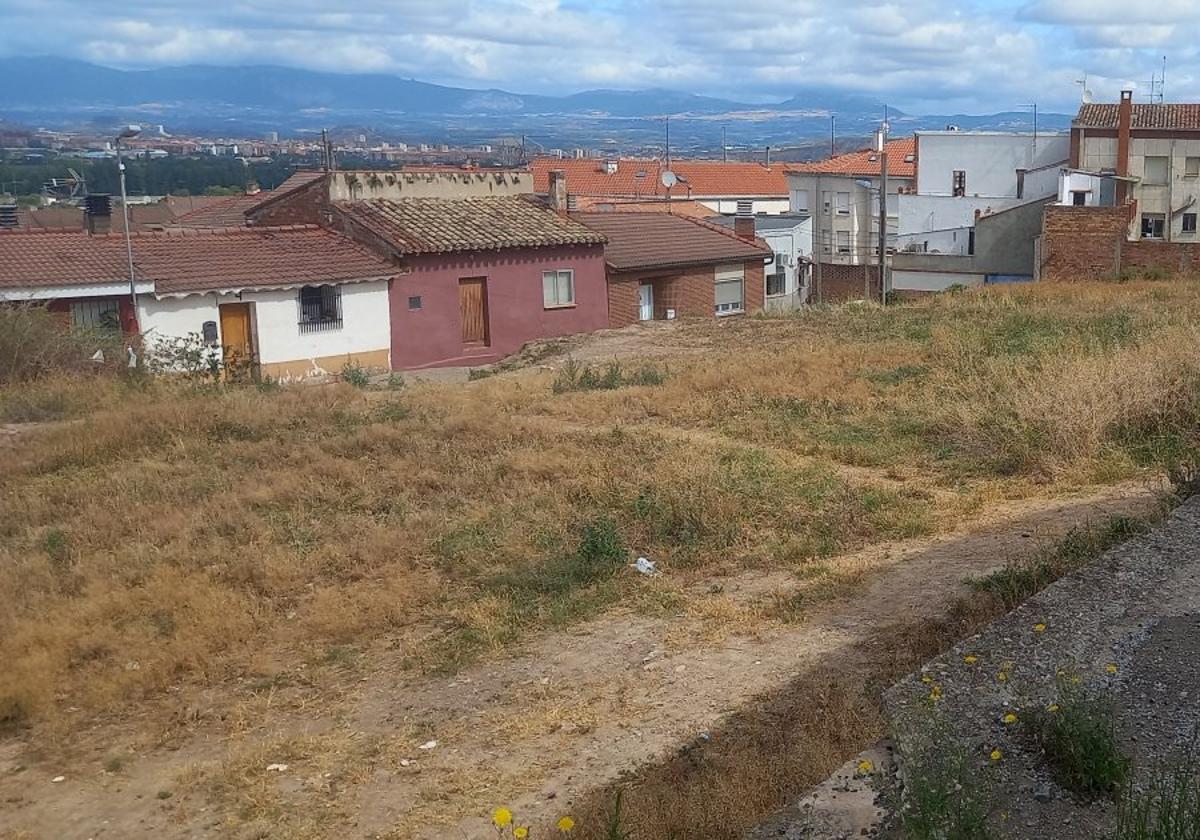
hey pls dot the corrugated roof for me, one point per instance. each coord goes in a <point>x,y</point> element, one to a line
<point>1168,116</point>
<point>444,225</point>
<point>643,241</point>
<point>188,260</point>
<point>638,178</point>
<point>866,162</point>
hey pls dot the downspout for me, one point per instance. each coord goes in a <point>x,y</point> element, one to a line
<point>1170,193</point>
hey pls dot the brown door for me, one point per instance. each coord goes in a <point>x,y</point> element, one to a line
<point>472,304</point>
<point>237,340</point>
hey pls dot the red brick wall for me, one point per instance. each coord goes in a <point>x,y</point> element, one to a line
<point>688,291</point>
<point>1171,257</point>
<point>840,283</point>
<point>1083,243</point>
<point>305,207</point>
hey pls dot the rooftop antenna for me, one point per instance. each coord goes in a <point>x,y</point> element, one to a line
<point>668,121</point>
<point>1162,82</point>
<point>1085,94</point>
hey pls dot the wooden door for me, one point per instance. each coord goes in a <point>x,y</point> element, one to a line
<point>472,304</point>
<point>237,340</point>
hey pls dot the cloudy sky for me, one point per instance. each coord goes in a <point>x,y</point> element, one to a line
<point>920,55</point>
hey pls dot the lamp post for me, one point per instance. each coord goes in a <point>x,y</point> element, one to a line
<point>127,133</point>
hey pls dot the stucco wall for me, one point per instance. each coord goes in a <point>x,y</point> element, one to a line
<point>990,161</point>
<point>432,335</point>
<point>275,318</point>
<point>397,184</point>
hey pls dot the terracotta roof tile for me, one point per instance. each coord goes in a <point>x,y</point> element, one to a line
<point>444,225</point>
<point>901,162</point>
<point>638,178</point>
<point>609,204</point>
<point>181,261</point>
<point>231,212</point>
<point>639,241</point>
<point>1169,116</point>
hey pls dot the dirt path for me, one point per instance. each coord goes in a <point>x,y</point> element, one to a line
<point>534,732</point>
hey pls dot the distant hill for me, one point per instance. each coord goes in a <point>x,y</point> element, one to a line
<point>57,91</point>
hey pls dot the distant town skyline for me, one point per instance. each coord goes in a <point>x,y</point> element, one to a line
<point>920,56</point>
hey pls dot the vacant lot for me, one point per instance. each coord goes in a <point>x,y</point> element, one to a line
<point>197,582</point>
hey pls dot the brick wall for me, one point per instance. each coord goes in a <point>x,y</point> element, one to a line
<point>840,283</point>
<point>688,291</point>
<point>1171,257</point>
<point>1083,243</point>
<point>304,207</point>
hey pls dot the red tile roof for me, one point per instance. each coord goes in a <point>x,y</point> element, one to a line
<point>638,178</point>
<point>181,261</point>
<point>901,162</point>
<point>609,204</point>
<point>1179,117</point>
<point>643,241</point>
<point>444,225</point>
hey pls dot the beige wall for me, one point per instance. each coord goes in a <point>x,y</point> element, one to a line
<point>362,184</point>
<point>1181,193</point>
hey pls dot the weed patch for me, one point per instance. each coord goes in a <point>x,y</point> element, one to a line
<point>1167,807</point>
<point>573,376</point>
<point>1079,741</point>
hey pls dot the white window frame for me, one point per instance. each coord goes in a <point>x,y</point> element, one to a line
<point>552,296</point>
<point>1184,222</point>
<point>842,202</point>
<point>800,200</point>
<point>847,246</point>
<point>1160,218</point>
<point>1191,167</point>
<point>725,276</point>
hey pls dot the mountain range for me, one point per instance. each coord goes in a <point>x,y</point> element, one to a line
<point>56,91</point>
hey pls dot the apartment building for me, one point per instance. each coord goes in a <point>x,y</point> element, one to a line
<point>842,196</point>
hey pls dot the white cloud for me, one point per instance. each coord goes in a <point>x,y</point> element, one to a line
<point>918,54</point>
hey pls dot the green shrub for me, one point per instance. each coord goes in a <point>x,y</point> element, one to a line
<point>35,342</point>
<point>1078,738</point>
<point>573,376</point>
<point>354,374</point>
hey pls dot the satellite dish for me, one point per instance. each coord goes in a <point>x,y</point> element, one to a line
<point>669,179</point>
<point>1088,96</point>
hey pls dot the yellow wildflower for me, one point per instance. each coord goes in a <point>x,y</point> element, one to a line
<point>1009,718</point>
<point>1052,708</point>
<point>970,659</point>
<point>520,832</point>
<point>865,767</point>
<point>566,824</point>
<point>997,755</point>
<point>935,693</point>
<point>1039,628</point>
<point>1111,667</point>
<point>925,678</point>
<point>501,817</point>
<point>1002,676</point>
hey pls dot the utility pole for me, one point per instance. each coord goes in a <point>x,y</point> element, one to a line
<point>724,147</point>
<point>883,232</point>
<point>818,244</point>
<point>832,142</point>
<point>668,120</point>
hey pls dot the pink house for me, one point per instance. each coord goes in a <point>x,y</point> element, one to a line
<point>481,276</point>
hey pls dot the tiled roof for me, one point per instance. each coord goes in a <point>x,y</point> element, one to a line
<point>188,260</point>
<point>642,241</point>
<point>637,178</point>
<point>444,225</point>
<point>1182,117</point>
<point>901,162</point>
<point>609,204</point>
<point>224,214</point>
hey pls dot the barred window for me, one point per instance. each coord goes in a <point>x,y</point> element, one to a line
<point>320,309</point>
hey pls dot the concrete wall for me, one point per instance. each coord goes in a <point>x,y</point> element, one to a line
<point>915,280</point>
<point>396,184</point>
<point>990,160</point>
<point>432,335</point>
<point>952,241</point>
<point>922,213</point>
<point>1005,241</point>
<point>728,206</point>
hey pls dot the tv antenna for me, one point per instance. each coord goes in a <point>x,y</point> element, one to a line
<point>1158,84</point>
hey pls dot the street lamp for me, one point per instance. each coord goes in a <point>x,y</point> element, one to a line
<point>127,133</point>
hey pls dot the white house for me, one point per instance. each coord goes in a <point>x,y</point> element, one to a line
<point>291,301</point>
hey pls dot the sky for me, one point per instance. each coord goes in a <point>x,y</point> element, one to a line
<point>922,56</point>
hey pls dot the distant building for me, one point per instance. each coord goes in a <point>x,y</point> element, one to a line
<point>789,236</point>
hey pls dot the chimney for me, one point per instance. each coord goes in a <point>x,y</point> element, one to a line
<point>97,209</point>
<point>558,190</point>
<point>743,222</point>
<point>610,166</point>
<point>1124,124</point>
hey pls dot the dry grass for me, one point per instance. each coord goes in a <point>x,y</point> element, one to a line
<point>183,535</point>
